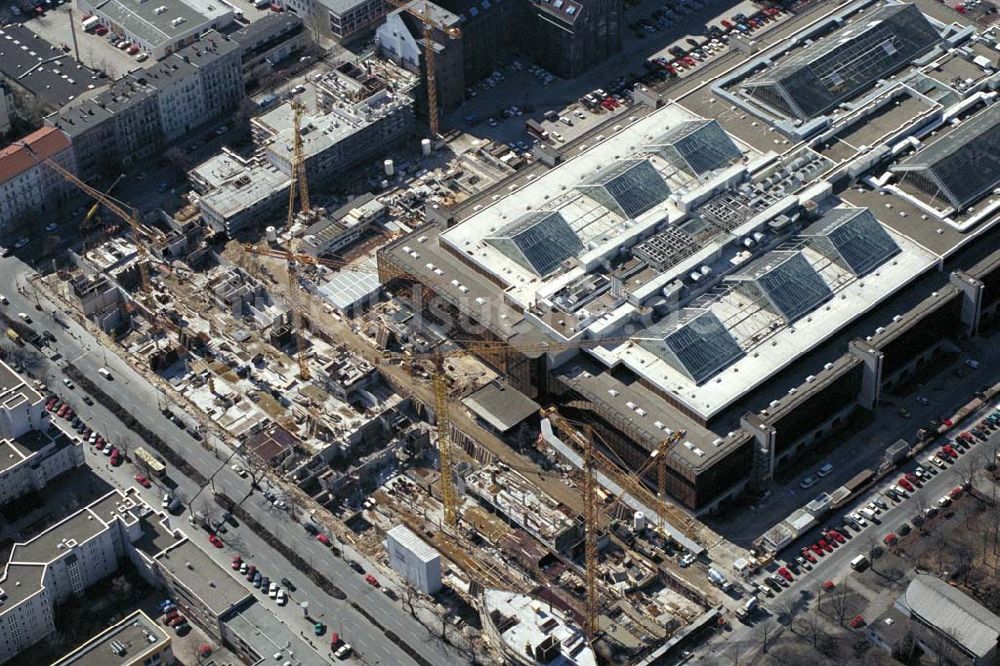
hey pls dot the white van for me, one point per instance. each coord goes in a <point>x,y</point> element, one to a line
<point>104,372</point>
<point>859,563</point>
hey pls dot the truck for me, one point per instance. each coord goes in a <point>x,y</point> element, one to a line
<point>149,462</point>
<point>90,23</point>
<point>535,129</point>
<point>748,608</point>
<point>719,580</point>
<point>14,337</point>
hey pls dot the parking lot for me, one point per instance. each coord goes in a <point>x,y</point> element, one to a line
<point>96,52</point>
<point>498,107</point>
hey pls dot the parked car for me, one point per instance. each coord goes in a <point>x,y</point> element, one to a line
<point>141,479</point>
<point>372,580</point>
<point>215,540</point>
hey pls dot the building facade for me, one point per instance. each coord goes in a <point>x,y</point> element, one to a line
<point>145,109</point>
<point>27,187</point>
<point>270,40</point>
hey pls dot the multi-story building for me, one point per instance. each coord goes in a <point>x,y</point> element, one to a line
<point>270,39</point>
<point>359,118</point>
<point>565,37</point>
<point>400,39</point>
<point>136,640</point>
<point>43,77</point>
<point>61,562</point>
<point>162,27</point>
<point>350,19</point>
<point>146,108</point>
<point>6,108</point>
<point>343,20</point>
<point>28,187</point>
<point>363,118</point>
<point>569,37</point>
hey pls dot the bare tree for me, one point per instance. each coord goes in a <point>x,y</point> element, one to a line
<point>872,546</point>
<point>122,589</point>
<point>967,472</point>
<point>840,602</point>
<point>765,631</point>
<point>410,596</point>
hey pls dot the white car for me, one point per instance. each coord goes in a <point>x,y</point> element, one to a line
<point>859,519</point>
<point>107,449</point>
<point>825,469</point>
<point>3,299</point>
<point>273,592</point>
<point>242,473</point>
<point>23,317</point>
<point>104,372</point>
<point>281,599</point>
<point>944,501</point>
<point>344,651</point>
<point>51,226</point>
<point>938,462</point>
<point>166,500</point>
<point>67,382</point>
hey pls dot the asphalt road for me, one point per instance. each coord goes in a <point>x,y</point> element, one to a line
<point>835,566</point>
<point>135,394</point>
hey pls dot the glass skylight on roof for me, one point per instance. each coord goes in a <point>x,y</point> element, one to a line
<point>783,282</point>
<point>852,238</point>
<point>699,347</point>
<point>538,241</point>
<point>628,187</point>
<point>813,80</point>
<point>697,147</point>
<point>961,166</point>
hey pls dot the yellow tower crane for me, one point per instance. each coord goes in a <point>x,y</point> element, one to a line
<point>430,25</point>
<point>298,171</point>
<point>125,212</point>
<point>585,440</point>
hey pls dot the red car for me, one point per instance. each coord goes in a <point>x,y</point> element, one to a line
<point>50,403</point>
<point>913,478</point>
<point>905,483</point>
<point>62,411</point>
<point>965,437</point>
<point>101,30</point>
<point>323,539</point>
<point>215,541</point>
<point>727,24</point>
<point>372,580</point>
<point>251,570</point>
<point>176,621</point>
<point>334,640</point>
<point>132,50</point>
<point>236,563</point>
<point>890,539</point>
<point>951,450</point>
<point>116,458</point>
<point>856,621</point>
<point>143,481</point>
<point>828,585</point>
<point>69,413</point>
<point>816,549</point>
<point>277,8</point>
<point>836,536</point>
<point>825,545</point>
<point>690,62</point>
<point>809,556</point>
<point>956,492</point>
<point>785,573</point>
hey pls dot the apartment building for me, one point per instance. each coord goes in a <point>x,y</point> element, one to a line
<point>6,108</point>
<point>28,188</point>
<point>136,640</point>
<point>147,108</point>
<point>566,37</point>
<point>268,40</point>
<point>63,561</point>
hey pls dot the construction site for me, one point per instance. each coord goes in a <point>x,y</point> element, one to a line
<point>291,349</point>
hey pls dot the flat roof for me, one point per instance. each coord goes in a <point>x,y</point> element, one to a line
<point>135,636</point>
<point>601,230</point>
<point>51,544</point>
<point>146,21</point>
<point>205,579</point>
<point>501,405</point>
<point>537,621</point>
<point>266,635</point>
<point>245,186</point>
<point>768,349</point>
<point>345,288</point>
<point>15,390</point>
<point>42,68</point>
<point>405,537</point>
